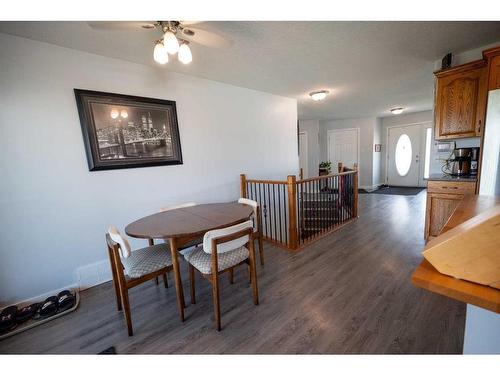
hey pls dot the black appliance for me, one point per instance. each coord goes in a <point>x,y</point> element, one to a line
<point>474,161</point>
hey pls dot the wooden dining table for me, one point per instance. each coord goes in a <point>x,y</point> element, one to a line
<point>182,225</point>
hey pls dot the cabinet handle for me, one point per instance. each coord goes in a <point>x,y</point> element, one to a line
<point>479,127</point>
<point>449,187</point>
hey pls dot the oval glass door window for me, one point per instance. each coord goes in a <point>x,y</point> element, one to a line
<point>403,155</point>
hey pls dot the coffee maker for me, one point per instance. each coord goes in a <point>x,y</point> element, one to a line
<point>460,164</point>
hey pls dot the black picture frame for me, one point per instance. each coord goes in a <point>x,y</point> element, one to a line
<point>125,131</point>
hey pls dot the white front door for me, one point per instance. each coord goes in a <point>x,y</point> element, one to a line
<point>303,161</point>
<point>404,156</point>
<point>343,147</point>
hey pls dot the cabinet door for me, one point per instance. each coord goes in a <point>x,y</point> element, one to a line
<point>494,73</point>
<point>439,209</point>
<point>460,104</point>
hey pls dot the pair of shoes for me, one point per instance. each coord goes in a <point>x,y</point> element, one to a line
<point>55,304</point>
<point>11,316</point>
<point>8,319</point>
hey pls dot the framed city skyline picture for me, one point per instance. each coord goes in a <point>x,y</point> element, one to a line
<point>123,131</point>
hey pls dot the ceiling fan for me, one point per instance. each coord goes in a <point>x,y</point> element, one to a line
<point>175,37</point>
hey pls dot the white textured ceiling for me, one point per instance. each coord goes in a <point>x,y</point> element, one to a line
<point>369,67</point>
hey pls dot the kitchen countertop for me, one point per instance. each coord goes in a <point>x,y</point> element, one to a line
<point>427,277</point>
<point>447,177</point>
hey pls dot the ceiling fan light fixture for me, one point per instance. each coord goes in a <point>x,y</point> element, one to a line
<point>185,56</point>
<point>319,95</point>
<point>397,111</point>
<point>170,42</point>
<point>160,54</point>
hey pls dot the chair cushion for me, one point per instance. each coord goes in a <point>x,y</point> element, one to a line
<point>203,261</point>
<point>147,260</point>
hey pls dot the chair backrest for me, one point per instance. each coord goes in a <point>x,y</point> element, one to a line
<point>174,207</point>
<point>228,232</point>
<point>122,242</point>
<point>254,206</point>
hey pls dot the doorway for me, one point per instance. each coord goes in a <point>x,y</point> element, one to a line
<point>303,154</point>
<point>408,154</point>
<point>343,147</point>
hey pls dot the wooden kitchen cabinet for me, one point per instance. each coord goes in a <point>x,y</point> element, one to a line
<point>442,199</point>
<point>460,102</point>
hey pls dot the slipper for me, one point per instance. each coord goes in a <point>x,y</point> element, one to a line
<point>66,300</point>
<point>26,313</point>
<point>8,319</point>
<point>48,308</point>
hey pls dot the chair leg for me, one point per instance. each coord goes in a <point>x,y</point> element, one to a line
<point>253,269</point>
<point>118,296</point>
<point>261,250</point>
<point>165,280</point>
<point>126,308</point>
<point>216,299</point>
<point>231,275</point>
<point>192,284</point>
<point>156,280</point>
<point>249,274</point>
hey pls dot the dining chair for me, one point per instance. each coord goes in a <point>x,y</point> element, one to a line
<point>223,250</point>
<point>131,268</point>
<point>194,242</point>
<point>257,224</point>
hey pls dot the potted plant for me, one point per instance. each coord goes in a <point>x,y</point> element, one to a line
<point>325,167</point>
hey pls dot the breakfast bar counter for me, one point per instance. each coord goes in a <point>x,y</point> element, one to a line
<point>483,302</point>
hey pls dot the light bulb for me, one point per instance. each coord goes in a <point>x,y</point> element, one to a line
<point>170,42</point>
<point>114,113</point>
<point>124,113</point>
<point>185,55</point>
<point>160,53</point>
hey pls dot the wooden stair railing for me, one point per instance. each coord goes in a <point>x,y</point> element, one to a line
<point>298,212</point>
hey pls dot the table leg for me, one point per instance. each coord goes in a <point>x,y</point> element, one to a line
<point>177,275</point>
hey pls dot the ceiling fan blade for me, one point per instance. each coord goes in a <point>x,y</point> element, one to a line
<point>206,38</point>
<point>188,23</point>
<point>121,25</point>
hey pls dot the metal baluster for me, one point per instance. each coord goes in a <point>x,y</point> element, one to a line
<point>269,211</point>
<point>284,209</point>
<point>318,204</point>
<point>261,207</point>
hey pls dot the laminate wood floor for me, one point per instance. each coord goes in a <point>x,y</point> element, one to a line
<point>347,293</point>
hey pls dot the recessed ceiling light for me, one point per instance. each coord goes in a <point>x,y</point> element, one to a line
<point>397,111</point>
<point>319,95</point>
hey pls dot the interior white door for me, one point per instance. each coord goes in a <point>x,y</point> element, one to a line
<point>343,147</point>
<point>404,156</point>
<point>303,152</point>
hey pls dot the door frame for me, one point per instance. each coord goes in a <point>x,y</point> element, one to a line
<point>422,140</point>
<point>306,172</point>
<point>329,131</point>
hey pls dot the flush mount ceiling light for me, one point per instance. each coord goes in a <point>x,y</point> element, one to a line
<point>397,111</point>
<point>319,95</point>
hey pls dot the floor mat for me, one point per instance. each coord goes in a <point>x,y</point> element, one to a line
<point>398,190</point>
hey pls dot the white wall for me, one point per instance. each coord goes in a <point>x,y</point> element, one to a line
<point>366,129</point>
<point>54,212</point>
<point>312,129</point>
<point>377,156</point>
